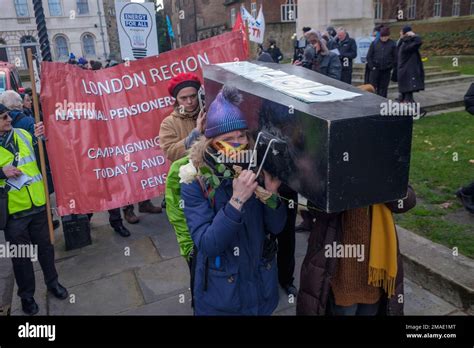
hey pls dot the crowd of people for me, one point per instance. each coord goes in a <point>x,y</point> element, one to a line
<point>332,53</point>
<point>238,247</point>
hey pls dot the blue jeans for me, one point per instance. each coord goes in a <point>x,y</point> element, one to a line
<point>355,309</point>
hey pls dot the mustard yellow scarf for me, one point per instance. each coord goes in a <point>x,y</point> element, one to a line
<point>383,249</point>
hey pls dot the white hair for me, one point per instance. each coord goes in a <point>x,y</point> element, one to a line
<point>11,100</point>
<point>341,29</point>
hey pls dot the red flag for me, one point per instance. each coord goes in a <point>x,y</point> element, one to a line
<point>240,26</point>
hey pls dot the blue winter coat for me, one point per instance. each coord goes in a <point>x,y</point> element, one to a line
<point>231,276</point>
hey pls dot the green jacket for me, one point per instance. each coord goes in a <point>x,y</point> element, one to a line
<point>174,208</point>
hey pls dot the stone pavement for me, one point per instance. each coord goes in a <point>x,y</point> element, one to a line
<point>145,275</point>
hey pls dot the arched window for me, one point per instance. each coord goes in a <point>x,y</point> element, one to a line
<point>88,45</point>
<point>62,50</point>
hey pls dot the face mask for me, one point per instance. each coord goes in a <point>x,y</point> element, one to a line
<point>233,153</point>
<point>229,148</point>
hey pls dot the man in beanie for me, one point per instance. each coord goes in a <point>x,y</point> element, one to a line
<point>381,59</point>
<point>177,133</point>
<point>229,225</point>
<point>410,74</point>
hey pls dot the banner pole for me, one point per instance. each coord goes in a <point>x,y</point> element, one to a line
<point>40,144</point>
<point>247,35</point>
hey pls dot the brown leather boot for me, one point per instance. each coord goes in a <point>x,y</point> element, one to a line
<point>148,207</point>
<point>130,216</point>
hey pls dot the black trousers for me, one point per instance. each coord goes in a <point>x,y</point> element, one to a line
<point>346,74</point>
<point>115,219</point>
<point>286,239</point>
<point>33,230</point>
<point>380,79</point>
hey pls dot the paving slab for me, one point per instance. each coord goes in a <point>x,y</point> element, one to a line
<point>178,304</point>
<point>440,97</point>
<point>167,244</point>
<point>101,263</point>
<point>291,311</point>
<point>105,296</point>
<point>160,280</point>
<point>419,301</point>
<point>287,302</point>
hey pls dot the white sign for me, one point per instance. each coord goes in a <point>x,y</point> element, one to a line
<point>294,86</point>
<point>136,25</point>
<point>363,45</point>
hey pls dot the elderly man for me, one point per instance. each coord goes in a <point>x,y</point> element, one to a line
<point>21,119</point>
<point>26,224</point>
<point>347,52</point>
<point>13,101</point>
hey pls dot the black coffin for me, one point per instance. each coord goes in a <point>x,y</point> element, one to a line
<point>340,154</point>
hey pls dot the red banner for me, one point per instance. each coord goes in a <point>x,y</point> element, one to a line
<point>103,126</point>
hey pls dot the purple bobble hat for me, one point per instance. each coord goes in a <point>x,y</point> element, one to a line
<point>224,114</point>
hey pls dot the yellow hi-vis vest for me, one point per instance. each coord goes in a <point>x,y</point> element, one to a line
<point>23,199</point>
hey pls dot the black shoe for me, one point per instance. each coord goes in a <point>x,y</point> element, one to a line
<point>29,306</point>
<point>56,224</point>
<point>291,290</point>
<point>122,231</point>
<point>59,292</point>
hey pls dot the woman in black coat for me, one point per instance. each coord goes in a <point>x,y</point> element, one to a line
<point>410,72</point>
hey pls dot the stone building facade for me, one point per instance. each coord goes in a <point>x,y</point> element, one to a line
<point>74,26</point>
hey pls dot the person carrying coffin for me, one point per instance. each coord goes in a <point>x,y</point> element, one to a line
<point>353,264</point>
<point>228,223</point>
